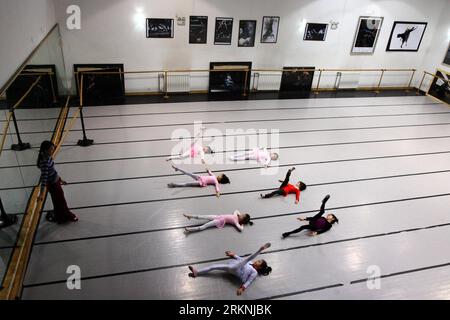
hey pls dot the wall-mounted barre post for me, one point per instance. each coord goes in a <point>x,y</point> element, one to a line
<point>379,82</point>
<point>421,81</point>
<point>318,82</point>
<point>166,93</point>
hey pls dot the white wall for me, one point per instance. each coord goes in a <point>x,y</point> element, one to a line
<point>23,24</point>
<point>110,33</point>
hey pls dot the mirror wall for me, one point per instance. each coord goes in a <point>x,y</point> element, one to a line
<point>37,93</point>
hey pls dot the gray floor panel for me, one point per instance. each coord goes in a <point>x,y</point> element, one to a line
<point>28,157</point>
<point>392,198</point>
<point>310,267</point>
<point>430,284</point>
<point>373,191</point>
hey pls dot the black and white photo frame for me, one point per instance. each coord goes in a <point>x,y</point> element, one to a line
<point>269,29</point>
<point>366,36</point>
<point>315,31</point>
<point>223,31</point>
<point>198,29</point>
<point>247,33</point>
<point>447,56</point>
<point>159,28</point>
<point>406,36</point>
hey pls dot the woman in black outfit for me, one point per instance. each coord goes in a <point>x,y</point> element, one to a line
<point>317,224</point>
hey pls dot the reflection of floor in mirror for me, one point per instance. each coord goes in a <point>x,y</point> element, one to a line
<point>384,161</point>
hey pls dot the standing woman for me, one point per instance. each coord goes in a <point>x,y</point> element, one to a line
<point>51,179</point>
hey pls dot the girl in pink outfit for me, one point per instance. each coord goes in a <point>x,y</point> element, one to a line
<point>201,181</point>
<point>261,155</point>
<point>236,219</point>
<point>195,150</point>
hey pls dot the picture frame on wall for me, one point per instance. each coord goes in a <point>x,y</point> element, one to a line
<point>406,36</point>
<point>315,31</point>
<point>198,29</point>
<point>223,31</point>
<point>269,30</point>
<point>440,86</point>
<point>247,33</point>
<point>366,36</point>
<point>159,28</point>
<point>447,56</point>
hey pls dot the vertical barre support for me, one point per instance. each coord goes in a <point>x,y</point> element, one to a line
<point>245,83</point>
<point>85,142</point>
<point>379,82</point>
<point>411,79</point>
<point>420,85</point>
<point>166,93</point>
<point>318,82</point>
<point>20,146</point>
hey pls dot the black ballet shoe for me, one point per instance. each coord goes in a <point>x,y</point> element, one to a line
<point>193,273</point>
<point>50,216</point>
<point>73,217</point>
<point>326,198</point>
<point>285,235</point>
<point>171,185</point>
<point>261,195</point>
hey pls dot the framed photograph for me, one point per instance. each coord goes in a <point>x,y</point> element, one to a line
<point>247,32</point>
<point>447,56</point>
<point>315,31</point>
<point>198,28</point>
<point>224,30</point>
<point>227,78</point>
<point>269,30</point>
<point>440,87</point>
<point>159,28</point>
<point>406,36</point>
<point>296,82</point>
<point>367,34</point>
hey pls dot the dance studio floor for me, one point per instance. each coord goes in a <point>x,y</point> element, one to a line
<point>385,162</point>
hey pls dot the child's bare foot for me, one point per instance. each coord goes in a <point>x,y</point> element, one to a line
<point>267,245</point>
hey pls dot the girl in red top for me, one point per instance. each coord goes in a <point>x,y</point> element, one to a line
<point>287,188</point>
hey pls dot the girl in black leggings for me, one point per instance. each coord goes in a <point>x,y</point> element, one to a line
<point>317,224</point>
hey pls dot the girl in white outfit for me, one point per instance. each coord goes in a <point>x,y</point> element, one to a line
<point>261,155</point>
<point>236,219</point>
<point>195,150</point>
<point>242,268</point>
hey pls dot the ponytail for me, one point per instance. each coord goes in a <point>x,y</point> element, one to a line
<point>264,270</point>
<point>247,219</point>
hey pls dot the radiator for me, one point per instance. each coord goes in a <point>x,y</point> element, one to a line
<point>347,80</point>
<point>178,82</point>
<point>266,81</point>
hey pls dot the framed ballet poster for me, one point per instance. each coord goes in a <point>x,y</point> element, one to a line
<point>406,36</point>
<point>367,34</point>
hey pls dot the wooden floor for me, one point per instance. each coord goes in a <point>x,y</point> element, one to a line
<point>384,161</point>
